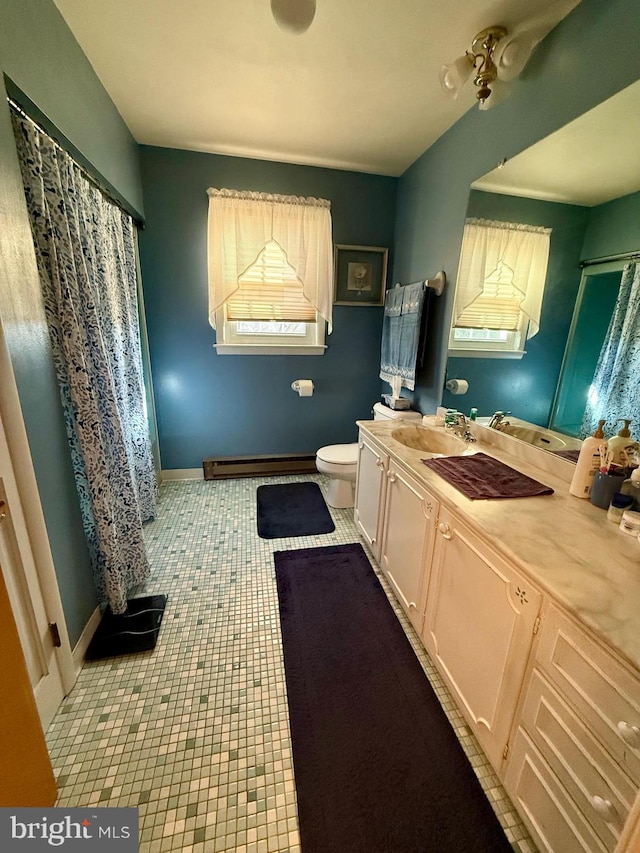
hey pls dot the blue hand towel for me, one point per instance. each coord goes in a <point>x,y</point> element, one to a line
<point>401,333</point>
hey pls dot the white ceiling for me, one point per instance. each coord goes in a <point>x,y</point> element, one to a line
<point>592,160</point>
<point>359,90</point>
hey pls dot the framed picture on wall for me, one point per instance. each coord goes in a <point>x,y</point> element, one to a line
<point>360,275</point>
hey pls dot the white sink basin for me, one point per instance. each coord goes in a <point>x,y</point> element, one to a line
<point>434,441</point>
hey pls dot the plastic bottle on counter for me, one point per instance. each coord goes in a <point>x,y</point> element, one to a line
<point>588,463</point>
<point>621,446</point>
<point>631,487</point>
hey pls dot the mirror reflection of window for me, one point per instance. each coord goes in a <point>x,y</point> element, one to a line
<point>500,285</point>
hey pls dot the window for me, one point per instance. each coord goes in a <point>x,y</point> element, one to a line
<point>270,273</point>
<point>501,277</point>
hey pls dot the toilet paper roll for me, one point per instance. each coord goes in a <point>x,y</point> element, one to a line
<point>304,387</point>
<point>457,386</point>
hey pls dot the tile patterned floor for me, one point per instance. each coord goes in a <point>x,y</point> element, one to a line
<point>196,733</point>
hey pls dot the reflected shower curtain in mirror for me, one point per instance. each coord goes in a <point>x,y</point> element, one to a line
<point>615,390</point>
<point>85,249</point>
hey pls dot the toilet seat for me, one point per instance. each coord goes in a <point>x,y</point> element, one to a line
<point>339,454</point>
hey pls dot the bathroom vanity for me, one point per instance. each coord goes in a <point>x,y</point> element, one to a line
<point>530,610</point>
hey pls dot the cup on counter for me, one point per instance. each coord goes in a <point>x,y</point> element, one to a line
<point>604,488</point>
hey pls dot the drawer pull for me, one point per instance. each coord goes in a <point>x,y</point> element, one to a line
<point>412,605</point>
<point>445,529</point>
<point>361,445</point>
<point>379,463</point>
<point>629,734</point>
<point>391,477</point>
<point>604,808</point>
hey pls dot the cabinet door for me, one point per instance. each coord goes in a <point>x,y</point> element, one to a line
<point>370,489</point>
<point>480,619</point>
<point>407,540</point>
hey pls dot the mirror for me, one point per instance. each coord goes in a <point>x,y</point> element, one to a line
<point>583,182</point>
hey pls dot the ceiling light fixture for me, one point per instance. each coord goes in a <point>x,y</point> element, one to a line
<point>495,56</point>
<point>295,16</point>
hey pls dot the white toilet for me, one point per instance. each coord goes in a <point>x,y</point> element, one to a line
<point>340,461</point>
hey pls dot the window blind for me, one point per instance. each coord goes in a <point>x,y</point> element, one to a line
<point>498,307</point>
<point>270,290</point>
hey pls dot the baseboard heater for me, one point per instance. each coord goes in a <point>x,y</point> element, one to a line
<point>225,467</point>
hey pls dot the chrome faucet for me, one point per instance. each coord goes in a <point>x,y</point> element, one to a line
<point>460,427</point>
<point>497,419</point>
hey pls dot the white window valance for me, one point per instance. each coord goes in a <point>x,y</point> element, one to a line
<point>502,273</point>
<point>243,226</point>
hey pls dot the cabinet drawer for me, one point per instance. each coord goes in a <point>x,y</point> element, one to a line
<point>584,768</point>
<point>553,819</point>
<point>604,691</point>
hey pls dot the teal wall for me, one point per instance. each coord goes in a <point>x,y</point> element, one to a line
<point>589,56</point>
<point>526,386</point>
<point>40,57</point>
<point>614,228</point>
<point>209,404</point>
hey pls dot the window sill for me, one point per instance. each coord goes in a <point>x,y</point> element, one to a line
<point>260,349</point>
<point>486,353</point>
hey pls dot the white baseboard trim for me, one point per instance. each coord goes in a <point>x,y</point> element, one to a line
<point>82,645</point>
<point>182,474</point>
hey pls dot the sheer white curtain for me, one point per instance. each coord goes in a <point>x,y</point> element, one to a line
<point>514,255</point>
<point>241,224</point>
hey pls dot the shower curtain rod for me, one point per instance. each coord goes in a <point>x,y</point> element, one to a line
<point>90,176</point>
<point>624,256</point>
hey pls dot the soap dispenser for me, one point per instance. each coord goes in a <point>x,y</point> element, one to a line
<point>588,463</point>
<point>622,447</point>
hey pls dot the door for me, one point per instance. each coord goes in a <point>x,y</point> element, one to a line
<point>370,484</point>
<point>480,620</point>
<point>25,594</point>
<point>26,774</point>
<point>407,541</point>
<point>594,306</point>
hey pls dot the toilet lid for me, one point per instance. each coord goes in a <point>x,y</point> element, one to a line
<point>339,454</point>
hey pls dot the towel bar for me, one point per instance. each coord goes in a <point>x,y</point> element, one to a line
<point>436,284</point>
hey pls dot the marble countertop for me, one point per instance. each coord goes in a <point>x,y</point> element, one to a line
<point>564,544</point>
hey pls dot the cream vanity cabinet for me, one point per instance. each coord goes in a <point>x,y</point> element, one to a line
<point>408,525</point>
<point>480,621</point>
<point>574,765</point>
<point>370,492</point>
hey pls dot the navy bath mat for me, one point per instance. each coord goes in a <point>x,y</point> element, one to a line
<point>292,509</point>
<point>378,768</point>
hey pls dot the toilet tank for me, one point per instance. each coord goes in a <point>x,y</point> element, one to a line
<point>384,413</point>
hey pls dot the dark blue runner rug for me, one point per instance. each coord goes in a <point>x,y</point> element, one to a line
<point>292,509</point>
<point>378,767</point>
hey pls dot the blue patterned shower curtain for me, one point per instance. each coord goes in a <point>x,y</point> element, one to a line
<point>85,249</point>
<point>615,390</point>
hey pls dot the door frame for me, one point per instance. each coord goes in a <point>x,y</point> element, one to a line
<point>21,467</point>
